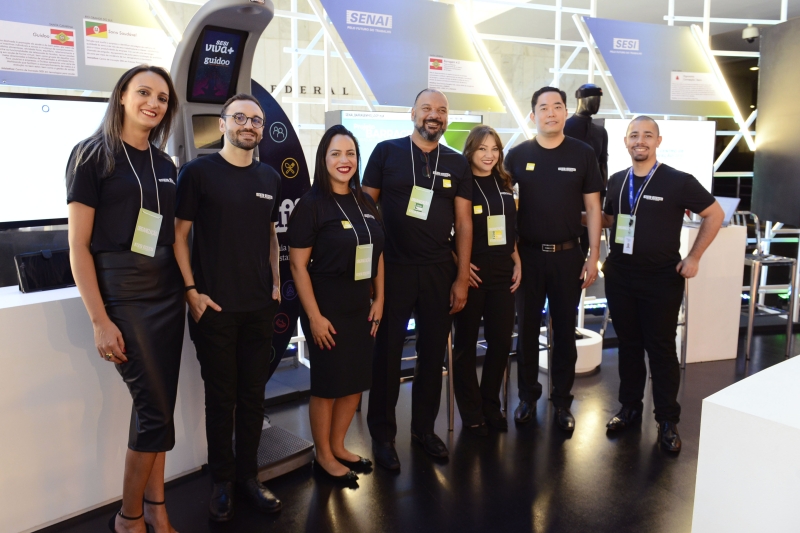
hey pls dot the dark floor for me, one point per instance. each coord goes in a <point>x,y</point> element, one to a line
<point>532,479</point>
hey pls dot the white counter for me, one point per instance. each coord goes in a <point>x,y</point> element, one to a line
<point>715,296</point>
<point>748,468</point>
<point>64,413</point>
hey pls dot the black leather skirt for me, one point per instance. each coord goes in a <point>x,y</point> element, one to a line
<point>144,298</point>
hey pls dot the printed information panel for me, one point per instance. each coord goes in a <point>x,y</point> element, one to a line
<point>459,76</point>
<point>36,49</point>
<point>123,46</point>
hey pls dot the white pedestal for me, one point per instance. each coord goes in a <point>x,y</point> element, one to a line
<point>715,296</point>
<point>590,351</point>
<point>65,413</point>
<point>748,469</point>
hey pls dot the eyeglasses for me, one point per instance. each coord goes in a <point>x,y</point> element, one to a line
<point>241,119</point>
<point>427,170</point>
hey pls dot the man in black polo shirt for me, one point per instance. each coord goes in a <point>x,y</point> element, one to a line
<point>425,190</point>
<point>557,175</point>
<point>644,274</point>
<point>232,288</point>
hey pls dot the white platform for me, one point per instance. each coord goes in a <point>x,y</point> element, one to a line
<point>65,413</point>
<point>590,351</point>
<point>748,471</point>
<point>715,296</point>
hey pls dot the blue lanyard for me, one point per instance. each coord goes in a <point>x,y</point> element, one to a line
<point>635,201</point>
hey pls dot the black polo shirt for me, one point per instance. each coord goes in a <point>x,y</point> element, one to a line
<point>497,201</point>
<point>409,240</point>
<point>317,222</point>
<point>116,197</point>
<point>232,209</point>
<point>552,182</point>
<point>657,237</point>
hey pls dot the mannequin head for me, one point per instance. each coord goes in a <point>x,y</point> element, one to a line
<point>589,96</point>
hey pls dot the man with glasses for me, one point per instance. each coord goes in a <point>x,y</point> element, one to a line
<point>232,288</point>
<point>425,190</point>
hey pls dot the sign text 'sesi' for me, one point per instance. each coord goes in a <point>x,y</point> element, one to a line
<point>626,44</point>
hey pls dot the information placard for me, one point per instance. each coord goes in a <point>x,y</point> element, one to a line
<point>113,45</point>
<point>36,49</point>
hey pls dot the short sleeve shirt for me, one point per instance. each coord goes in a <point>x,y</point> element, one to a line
<point>391,168</point>
<point>552,182</point>
<point>659,218</point>
<point>117,198</point>
<point>232,209</point>
<point>317,222</point>
<point>489,197</point>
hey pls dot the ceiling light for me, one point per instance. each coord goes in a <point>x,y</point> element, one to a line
<point>753,68</point>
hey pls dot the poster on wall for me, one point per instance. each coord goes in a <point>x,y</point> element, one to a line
<point>113,45</point>
<point>402,47</point>
<point>659,69</point>
<point>79,44</point>
<point>687,145</point>
<point>37,49</point>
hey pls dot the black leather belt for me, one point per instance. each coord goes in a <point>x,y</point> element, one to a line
<point>556,247</point>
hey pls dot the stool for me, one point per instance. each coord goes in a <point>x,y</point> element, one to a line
<point>755,262</point>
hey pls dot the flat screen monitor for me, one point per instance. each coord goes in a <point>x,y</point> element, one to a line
<point>215,65</point>
<point>36,143</point>
<point>370,128</point>
<point>687,145</point>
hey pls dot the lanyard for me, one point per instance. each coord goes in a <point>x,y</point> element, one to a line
<point>488,207</point>
<point>435,170</point>
<point>633,205</point>
<point>351,224</point>
<point>141,192</point>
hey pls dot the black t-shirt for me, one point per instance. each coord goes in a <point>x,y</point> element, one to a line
<point>232,209</point>
<point>657,237</point>
<point>488,186</point>
<point>116,198</point>
<point>552,182</point>
<point>318,223</point>
<point>409,240</point>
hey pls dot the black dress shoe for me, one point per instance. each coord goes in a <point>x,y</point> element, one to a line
<point>497,421</point>
<point>221,506</point>
<point>668,436</point>
<point>385,455</point>
<point>362,465</point>
<point>479,430</point>
<point>626,418</point>
<point>259,495</point>
<point>350,478</point>
<point>431,443</point>
<point>524,412</point>
<point>564,419</point>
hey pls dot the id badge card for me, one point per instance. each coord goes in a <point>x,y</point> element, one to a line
<point>624,228</point>
<point>363,261</point>
<point>496,229</point>
<point>145,235</point>
<point>420,203</point>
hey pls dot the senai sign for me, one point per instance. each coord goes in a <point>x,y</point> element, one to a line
<point>371,20</point>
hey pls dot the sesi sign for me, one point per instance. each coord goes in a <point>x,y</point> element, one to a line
<point>375,20</point>
<point>626,44</point>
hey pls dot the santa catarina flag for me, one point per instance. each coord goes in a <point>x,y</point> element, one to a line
<point>96,29</point>
<point>62,37</point>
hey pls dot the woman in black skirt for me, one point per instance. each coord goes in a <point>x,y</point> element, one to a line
<point>121,196</point>
<point>336,253</point>
<point>495,274</point>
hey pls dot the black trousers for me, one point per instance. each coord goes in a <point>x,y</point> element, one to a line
<point>645,311</point>
<point>493,301</point>
<point>554,276</point>
<point>425,291</point>
<point>234,350</point>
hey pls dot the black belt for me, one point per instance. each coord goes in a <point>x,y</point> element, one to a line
<point>568,245</point>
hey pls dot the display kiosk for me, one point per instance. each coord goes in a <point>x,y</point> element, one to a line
<point>212,63</point>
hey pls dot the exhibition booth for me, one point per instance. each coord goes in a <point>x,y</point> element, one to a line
<point>66,412</point>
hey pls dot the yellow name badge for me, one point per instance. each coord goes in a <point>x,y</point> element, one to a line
<point>346,224</point>
<point>496,229</point>
<point>446,184</point>
<point>530,166</point>
<point>477,209</point>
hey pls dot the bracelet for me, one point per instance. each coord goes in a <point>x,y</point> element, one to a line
<point>189,287</point>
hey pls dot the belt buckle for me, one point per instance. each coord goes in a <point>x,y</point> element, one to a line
<point>548,247</point>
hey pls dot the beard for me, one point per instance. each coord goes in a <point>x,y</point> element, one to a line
<point>233,138</point>
<point>428,136</point>
<point>639,156</point>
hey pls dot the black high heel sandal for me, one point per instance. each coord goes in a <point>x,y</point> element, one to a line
<point>151,502</point>
<point>112,525</point>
